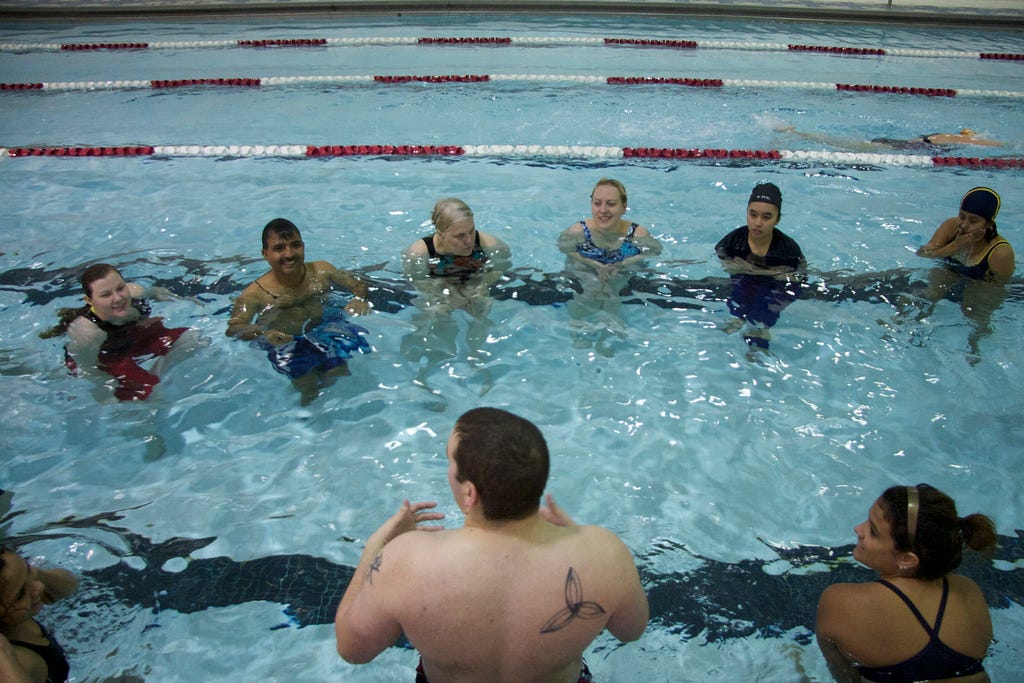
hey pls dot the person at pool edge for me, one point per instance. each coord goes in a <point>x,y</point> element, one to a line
<point>114,332</point>
<point>918,621</point>
<point>286,312</point>
<point>764,266</point>
<point>516,594</point>
<point>28,652</point>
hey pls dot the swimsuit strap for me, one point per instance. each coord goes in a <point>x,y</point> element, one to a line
<point>933,632</point>
<point>431,250</point>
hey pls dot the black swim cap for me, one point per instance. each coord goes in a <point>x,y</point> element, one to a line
<point>767,193</point>
<point>981,201</point>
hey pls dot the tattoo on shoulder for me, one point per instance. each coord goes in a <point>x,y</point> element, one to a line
<point>575,606</point>
<point>374,567</point>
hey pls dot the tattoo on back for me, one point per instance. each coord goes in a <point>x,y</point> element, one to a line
<point>575,606</point>
<point>374,567</point>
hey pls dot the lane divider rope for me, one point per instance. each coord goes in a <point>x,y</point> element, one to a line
<point>516,151</point>
<point>526,41</point>
<point>250,82</point>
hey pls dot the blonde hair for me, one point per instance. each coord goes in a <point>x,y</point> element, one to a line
<point>611,182</point>
<point>449,211</point>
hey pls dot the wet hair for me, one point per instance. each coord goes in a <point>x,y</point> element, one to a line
<point>506,458</point>
<point>611,182</point>
<point>941,534</point>
<point>279,227</point>
<point>65,316</point>
<point>449,211</point>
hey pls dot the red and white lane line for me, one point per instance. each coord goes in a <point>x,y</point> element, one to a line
<point>524,41</point>
<point>515,151</point>
<point>668,81</point>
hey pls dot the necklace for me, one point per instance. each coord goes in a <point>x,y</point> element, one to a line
<point>275,296</point>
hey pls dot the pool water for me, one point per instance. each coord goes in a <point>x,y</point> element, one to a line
<point>217,523</point>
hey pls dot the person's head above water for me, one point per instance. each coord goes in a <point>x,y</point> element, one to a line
<point>981,201</point>
<point>93,273</point>
<point>448,212</point>
<point>767,193</point>
<point>281,228</point>
<point>505,457</point>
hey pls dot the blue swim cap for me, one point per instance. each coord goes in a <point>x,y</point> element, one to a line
<point>982,201</point>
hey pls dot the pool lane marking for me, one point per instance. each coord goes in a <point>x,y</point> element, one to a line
<point>527,41</point>
<point>401,79</point>
<point>521,151</point>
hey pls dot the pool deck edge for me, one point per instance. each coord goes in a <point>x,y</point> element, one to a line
<point>995,16</point>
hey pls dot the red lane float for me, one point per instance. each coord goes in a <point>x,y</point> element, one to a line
<point>685,44</point>
<point>379,150</point>
<point>185,82</point>
<point>692,82</point>
<point>679,153</point>
<point>284,42</point>
<point>104,46</point>
<point>837,50</point>
<point>974,162</point>
<point>464,41</point>
<point>80,151</point>
<point>997,55</point>
<point>433,79</point>
<point>898,90</point>
<point>21,86</point>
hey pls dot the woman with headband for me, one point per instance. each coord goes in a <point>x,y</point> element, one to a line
<point>969,242</point>
<point>917,621</point>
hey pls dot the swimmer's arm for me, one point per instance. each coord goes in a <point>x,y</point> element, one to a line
<point>1001,263</point>
<point>358,305</point>
<point>13,669</point>
<point>157,293</point>
<point>944,242</point>
<point>833,619</point>
<point>649,246</point>
<point>84,341</point>
<point>363,626</point>
<point>570,238</point>
<point>243,311</point>
<point>57,583</point>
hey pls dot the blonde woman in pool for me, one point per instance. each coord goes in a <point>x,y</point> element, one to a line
<point>603,252</point>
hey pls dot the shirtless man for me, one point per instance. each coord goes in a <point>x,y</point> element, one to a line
<point>285,310</point>
<point>516,594</point>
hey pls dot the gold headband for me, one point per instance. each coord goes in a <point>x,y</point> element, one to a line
<point>912,508</point>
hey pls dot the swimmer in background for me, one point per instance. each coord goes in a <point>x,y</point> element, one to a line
<point>926,144</point>
<point>978,260</point>
<point>764,264</point>
<point>28,652</point>
<point>604,251</point>
<point>452,269</point>
<point>114,332</point>
<point>286,312</point>
<point>455,267</point>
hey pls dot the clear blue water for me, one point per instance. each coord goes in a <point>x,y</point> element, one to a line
<point>215,523</point>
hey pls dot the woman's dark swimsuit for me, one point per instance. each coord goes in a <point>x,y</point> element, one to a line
<point>588,250</point>
<point>585,675</point>
<point>448,265</point>
<point>980,270</point>
<point>57,668</point>
<point>935,660</point>
<point>126,345</point>
<point>921,144</point>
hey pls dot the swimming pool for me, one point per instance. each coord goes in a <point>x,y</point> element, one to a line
<point>216,523</point>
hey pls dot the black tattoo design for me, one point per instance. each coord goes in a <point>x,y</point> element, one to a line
<point>374,567</point>
<point>575,605</point>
